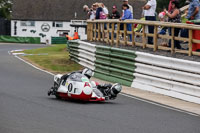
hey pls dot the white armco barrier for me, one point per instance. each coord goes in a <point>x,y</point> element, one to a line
<point>168,76</point>
<point>87,55</point>
<point>87,46</point>
<point>172,63</point>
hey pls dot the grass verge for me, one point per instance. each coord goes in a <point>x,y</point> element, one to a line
<point>53,58</point>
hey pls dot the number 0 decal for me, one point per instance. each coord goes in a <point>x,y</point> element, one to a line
<point>70,87</point>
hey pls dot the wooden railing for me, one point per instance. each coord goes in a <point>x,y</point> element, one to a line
<point>109,31</point>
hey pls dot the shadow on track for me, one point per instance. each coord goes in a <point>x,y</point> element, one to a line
<point>81,102</point>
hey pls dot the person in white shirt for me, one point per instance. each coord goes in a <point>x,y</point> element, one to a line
<point>149,14</point>
<point>93,12</point>
<point>90,12</point>
<point>105,10</point>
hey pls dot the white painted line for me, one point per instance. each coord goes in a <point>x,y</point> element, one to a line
<point>160,105</point>
<point>19,50</point>
<point>126,95</point>
<point>18,53</point>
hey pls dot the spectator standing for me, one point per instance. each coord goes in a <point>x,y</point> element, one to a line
<point>100,14</point>
<point>86,9</point>
<point>174,17</point>
<point>93,12</point>
<point>127,15</point>
<point>105,10</point>
<point>90,12</point>
<point>98,11</point>
<point>115,14</point>
<point>170,5</point>
<point>194,11</point>
<point>130,7</point>
<point>149,14</point>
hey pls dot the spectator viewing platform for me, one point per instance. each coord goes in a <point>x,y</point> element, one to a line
<point>114,36</point>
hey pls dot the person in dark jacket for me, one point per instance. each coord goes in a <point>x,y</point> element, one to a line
<point>98,12</point>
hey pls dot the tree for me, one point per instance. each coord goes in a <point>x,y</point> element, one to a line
<point>5,8</point>
<point>162,4</point>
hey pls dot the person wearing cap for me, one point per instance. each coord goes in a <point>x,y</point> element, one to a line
<point>115,14</point>
<point>149,13</point>
<point>127,15</point>
<point>130,7</point>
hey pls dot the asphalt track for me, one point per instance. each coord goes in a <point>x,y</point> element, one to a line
<point>26,108</point>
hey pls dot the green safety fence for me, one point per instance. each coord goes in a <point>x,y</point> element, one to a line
<point>58,40</point>
<point>111,64</point>
<point>115,65</point>
<point>73,47</point>
<point>10,39</point>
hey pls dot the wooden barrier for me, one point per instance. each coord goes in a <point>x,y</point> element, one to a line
<point>109,31</point>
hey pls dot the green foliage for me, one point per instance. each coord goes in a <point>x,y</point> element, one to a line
<point>5,8</point>
<point>162,4</point>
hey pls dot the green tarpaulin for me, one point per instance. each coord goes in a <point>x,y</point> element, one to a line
<point>58,40</point>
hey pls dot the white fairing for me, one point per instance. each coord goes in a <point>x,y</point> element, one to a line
<point>87,90</point>
<point>78,84</point>
<point>75,87</point>
<point>93,83</point>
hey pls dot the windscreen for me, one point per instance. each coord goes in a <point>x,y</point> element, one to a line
<point>78,77</point>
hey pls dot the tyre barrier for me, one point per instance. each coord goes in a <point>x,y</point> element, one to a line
<point>168,76</point>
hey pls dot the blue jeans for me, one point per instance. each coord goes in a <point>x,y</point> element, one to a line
<point>129,28</point>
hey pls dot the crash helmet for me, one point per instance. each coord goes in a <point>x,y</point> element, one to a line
<point>115,89</point>
<point>87,72</point>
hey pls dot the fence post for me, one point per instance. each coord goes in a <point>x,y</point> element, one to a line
<point>133,34</point>
<point>103,32</point>
<point>155,38</point>
<point>95,32</point>
<point>108,32</point>
<point>118,33</point>
<point>172,40</point>
<point>112,33</point>
<point>99,32</point>
<point>88,31</point>
<point>144,37</point>
<point>190,42</point>
<point>125,34</point>
<point>92,32</point>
